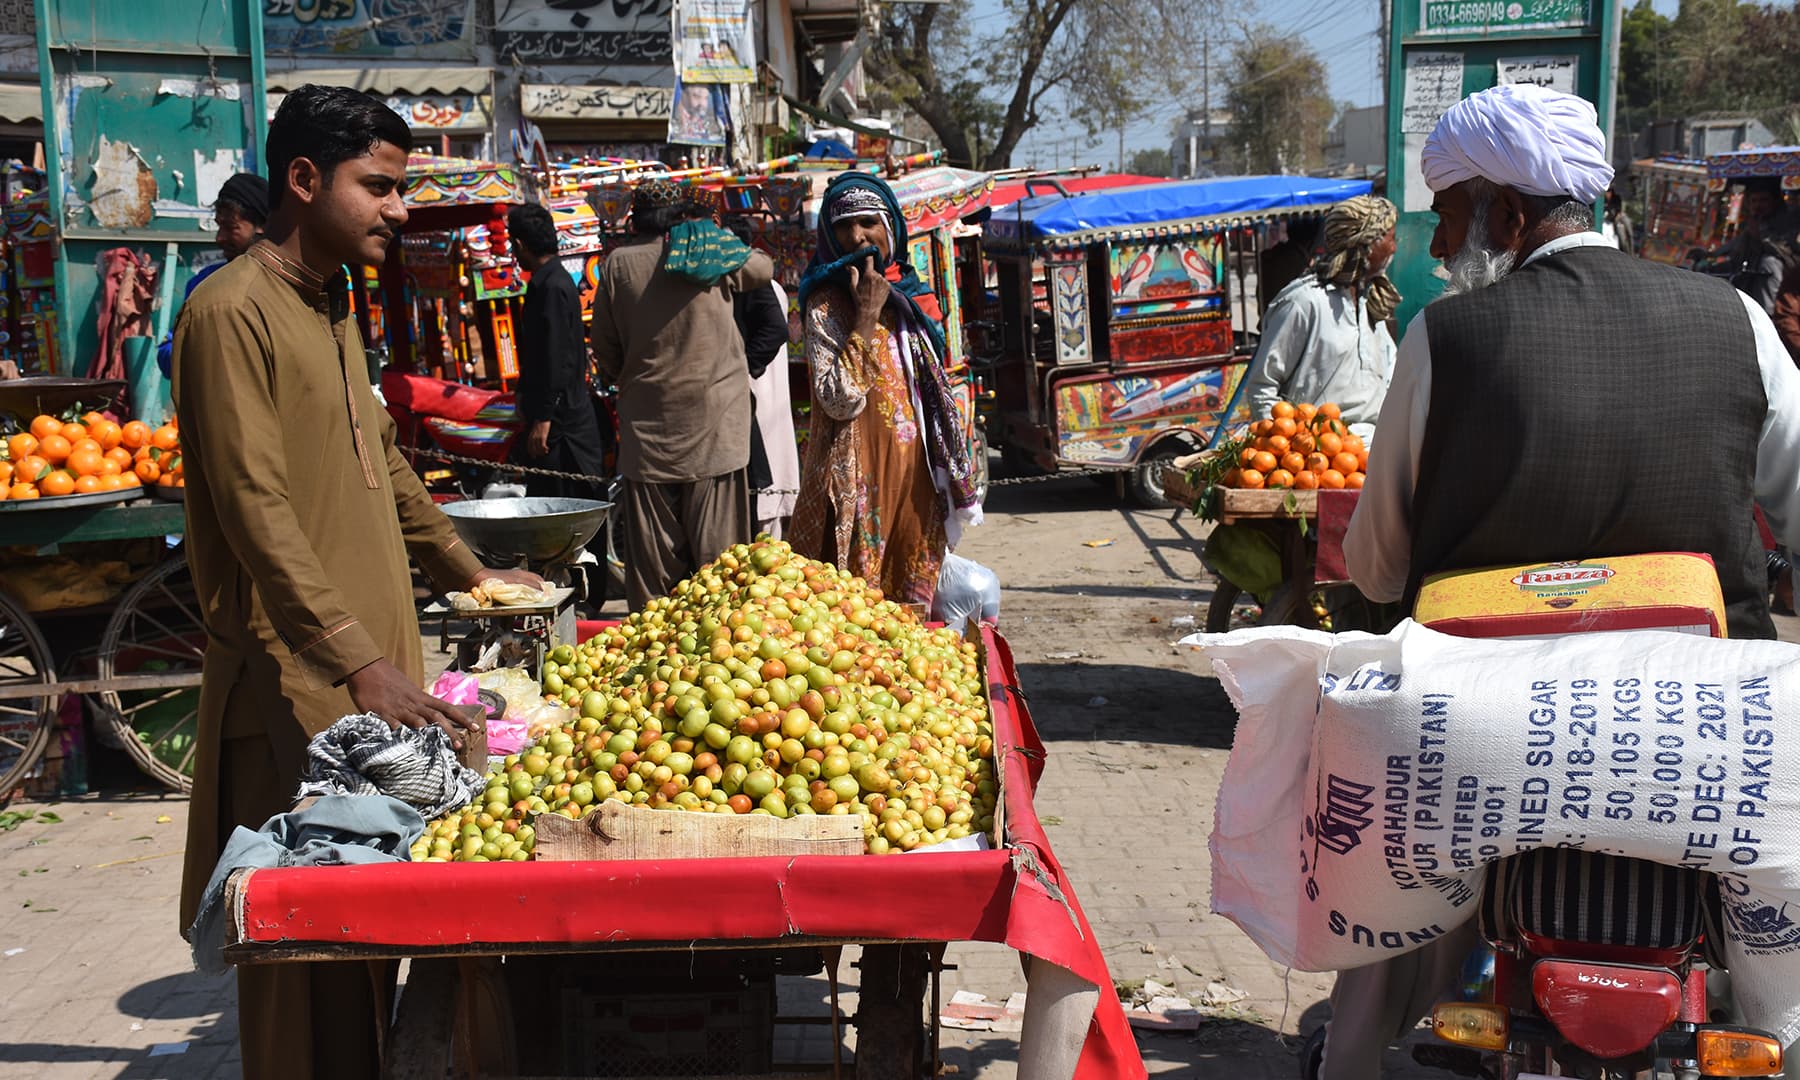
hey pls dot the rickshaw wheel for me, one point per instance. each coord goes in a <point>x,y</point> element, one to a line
<point>25,723</point>
<point>156,623</point>
<point>1144,483</point>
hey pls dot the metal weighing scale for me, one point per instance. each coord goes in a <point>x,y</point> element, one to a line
<point>544,536</point>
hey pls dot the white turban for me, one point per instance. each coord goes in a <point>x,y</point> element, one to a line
<point>1536,140</point>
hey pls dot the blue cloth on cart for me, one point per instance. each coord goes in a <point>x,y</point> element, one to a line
<point>338,830</point>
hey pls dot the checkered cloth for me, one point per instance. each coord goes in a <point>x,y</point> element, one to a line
<point>361,755</point>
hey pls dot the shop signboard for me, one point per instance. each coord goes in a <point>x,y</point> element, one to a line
<point>398,29</point>
<point>543,101</point>
<point>584,32</point>
<point>1441,51</point>
<point>1501,16</point>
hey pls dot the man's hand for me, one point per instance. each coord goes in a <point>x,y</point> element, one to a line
<point>537,441</point>
<point>8,370</point>
<point>517,577</point>
<point>383,689</point>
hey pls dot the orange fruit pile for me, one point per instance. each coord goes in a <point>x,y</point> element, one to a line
<point>1303,447</point>
<point>55,457</point>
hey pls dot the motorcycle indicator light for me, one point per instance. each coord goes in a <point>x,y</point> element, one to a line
<point>1724,1052</point>
<point>1609,1010</point>
<point>1483,1027</point>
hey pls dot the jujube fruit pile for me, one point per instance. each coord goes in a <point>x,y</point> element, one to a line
<point>767,683</point>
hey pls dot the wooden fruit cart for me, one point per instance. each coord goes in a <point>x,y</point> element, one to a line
<point>1308,529</point>
<point>146,664</point>
<point>709,932</point>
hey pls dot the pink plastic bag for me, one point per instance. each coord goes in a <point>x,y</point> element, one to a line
<point>456,688</point>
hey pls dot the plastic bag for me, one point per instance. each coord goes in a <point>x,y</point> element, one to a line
<point>522,692</point>
<point>457,688</point>
<point>965,589</point>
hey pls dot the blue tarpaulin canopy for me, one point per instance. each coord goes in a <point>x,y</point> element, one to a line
<point>1160,209</point>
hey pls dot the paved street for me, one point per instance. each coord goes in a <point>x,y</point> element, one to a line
<point>100,985</point>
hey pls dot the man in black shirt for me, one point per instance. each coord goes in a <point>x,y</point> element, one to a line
<point>560,429</point>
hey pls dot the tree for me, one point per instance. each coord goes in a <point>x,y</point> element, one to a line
<point>1153,161</point>
<point>1713,55</point>
<point>1103,62</point>
<point>1278,103</point>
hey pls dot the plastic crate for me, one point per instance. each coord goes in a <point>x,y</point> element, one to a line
<point>622,1033</point>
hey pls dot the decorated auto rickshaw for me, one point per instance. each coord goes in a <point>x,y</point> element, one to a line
<point>1679,211</point>
<point>1123,340</point>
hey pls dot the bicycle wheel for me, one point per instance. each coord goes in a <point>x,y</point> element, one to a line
<point>26,721</point>
<point>157,629</point>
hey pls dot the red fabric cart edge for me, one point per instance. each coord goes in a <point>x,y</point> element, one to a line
<point>956,896</point>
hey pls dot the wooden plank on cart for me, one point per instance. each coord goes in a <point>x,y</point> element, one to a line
<point>1243,504</point>
<point>616,831</point>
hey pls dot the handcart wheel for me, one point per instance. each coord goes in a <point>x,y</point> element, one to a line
<point>156,628</point>
<point>25,722</point>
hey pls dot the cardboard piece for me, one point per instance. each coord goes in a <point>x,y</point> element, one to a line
<point>615,832</point>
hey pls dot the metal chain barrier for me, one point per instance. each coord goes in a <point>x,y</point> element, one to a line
<point>602,481</point>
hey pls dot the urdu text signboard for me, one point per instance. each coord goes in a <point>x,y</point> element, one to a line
<point>1501,16</point>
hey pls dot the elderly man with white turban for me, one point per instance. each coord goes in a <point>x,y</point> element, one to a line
<point>1563,400</point>
<point>1324,336</point>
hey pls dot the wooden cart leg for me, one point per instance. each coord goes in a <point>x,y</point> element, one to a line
<point>833,957</point>
<point>889,1043</point>
<point>419,1046</point>
<point>486,1019</point>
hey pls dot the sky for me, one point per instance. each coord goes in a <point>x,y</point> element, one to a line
<point>1345,33</point>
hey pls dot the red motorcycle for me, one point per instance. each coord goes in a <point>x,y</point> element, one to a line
<point>1600,968</point>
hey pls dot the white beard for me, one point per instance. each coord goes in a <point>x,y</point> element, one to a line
<point>1476,265</point>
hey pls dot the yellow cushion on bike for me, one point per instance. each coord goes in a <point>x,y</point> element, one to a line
<point>1666,591</point>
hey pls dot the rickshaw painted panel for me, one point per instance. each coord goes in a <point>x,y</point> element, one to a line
<point>1159,271</point>
<point>1108,420</point>
<point>1177,339</point>
<point>1679,208</point>
<point>1074,330</point>
<point>950,300</point>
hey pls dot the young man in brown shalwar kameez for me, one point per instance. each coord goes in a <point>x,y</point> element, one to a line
<point>300,518</point>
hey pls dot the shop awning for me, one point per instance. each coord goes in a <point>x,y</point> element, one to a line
<point>21,103</point>
<point>1161,210</point>
<point>549,101</point>
<point>389,80</point>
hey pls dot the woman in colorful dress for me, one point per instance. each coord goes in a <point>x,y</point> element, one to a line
<point>887,485</point>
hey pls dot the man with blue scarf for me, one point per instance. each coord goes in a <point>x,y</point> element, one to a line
<point>664,333</point>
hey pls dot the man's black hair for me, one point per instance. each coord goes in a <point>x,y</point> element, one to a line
<point>533,227</point>
<point>328,125</point>
<point>1763,185</point>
